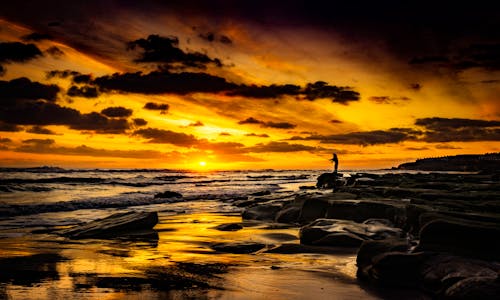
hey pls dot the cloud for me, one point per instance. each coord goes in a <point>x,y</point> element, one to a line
<point>18,52</point>
<point>336,121</point>
<point>82,78</point>
<point>166,50</point>
<point>49,146</point>
<point>9,127</point>
<point>36,37</point>
<point>321,90</point>
<point>271,91</point>
<point>417,148</point>
<point>23,88</point>
<point>441,123</point>
<point>212,37</point>
<point>31,103</point>
<point>117,112</point>
<point>196,124</point>
<point>388,99</point>
<point>263,135</point>
<point>163,82</point>
<point>40,130</point>
<point>366,138</point>
<point>5,140</point>
<point>428,59</point>
<point>161,136</point>
<point>445,146</point>
<point>156,106</point>
<point>2,70</point>
<point>281,147</point>
<point>140,122</point>
<point>278,125</point>
<point>415,86</point>
<point>85,92</point>
<point>225,134</point>
<point>54,52</point>
<point>459,130</point>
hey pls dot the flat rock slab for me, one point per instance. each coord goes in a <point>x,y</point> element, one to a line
<point>117,225</point>
<point>238,248</point>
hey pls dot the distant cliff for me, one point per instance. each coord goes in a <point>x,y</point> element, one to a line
<point>466,162</point>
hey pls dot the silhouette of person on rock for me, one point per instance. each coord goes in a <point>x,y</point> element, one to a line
<point>335,161</point>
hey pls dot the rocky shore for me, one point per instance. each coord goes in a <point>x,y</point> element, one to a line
<point>437,232</point>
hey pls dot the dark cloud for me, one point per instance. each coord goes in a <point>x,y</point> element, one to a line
<point>428,59</point>
<point>163,82</point>
<point>50,147</point>
<point>5,140</point>
<point>31,103</point>
<point>458,129</point>
<point>415,86</point>
<point>2,70</point>
<point>278,125</point>
<point>166,50</point>
<point>196,124</point>
<point>445,146</point>
<point>82,78</point>
<point>140,122</point>
<point>161,136</point>
<point>156,106</point>
<point>366,138</point>
<point>84,91</point>
<point>416,148</point>
<point>212,37</point>
<point>336,121</point>
<point>36,37</point>
<point>40,130</point>
<point>281,147</point>
<point>39,141</point>
<point>321,90</point>
<point>117,112</point>
<point>225,134</point>
<point>263,135</point>
<point>54,51</point>
<point>388,99</point>
<point>61,73</point>
<point>271,91</point>
<point>18,52</point>
<point>9,127</point>
<point>23,88</point>
<point>441,123</point>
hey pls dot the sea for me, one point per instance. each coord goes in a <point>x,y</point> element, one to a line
<point>53,196</point>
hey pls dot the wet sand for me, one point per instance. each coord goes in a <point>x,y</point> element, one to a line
<point>180,264</point>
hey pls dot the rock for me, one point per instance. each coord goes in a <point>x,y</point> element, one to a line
<point>261,193</point>
<point>397,268</point>
<point>168,194</point>
<point>291,248</point>
<point>372,248</point>
<point>238,248</point>
<point>478,287</point>
<point>344,233</point>
<point>476,239</point>
<point>361,210</point>
<point>440,272</point>
<point>266,211</point>
<point>120,224</point>
<point>313,208</point>
<point>289,214</point>
<point>307,187</point>
<point>229,227</point>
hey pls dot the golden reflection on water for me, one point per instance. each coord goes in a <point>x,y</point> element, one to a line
<point>182,238</point>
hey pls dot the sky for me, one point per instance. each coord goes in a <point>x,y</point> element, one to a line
<point>222,85</point>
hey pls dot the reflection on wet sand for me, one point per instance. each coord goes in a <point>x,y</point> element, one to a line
<point>180,263</point>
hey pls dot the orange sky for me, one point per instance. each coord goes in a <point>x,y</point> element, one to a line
<point>376,108</point>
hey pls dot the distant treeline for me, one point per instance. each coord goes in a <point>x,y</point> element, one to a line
<point>464,162</point>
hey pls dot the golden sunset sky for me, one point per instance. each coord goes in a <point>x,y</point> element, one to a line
<point>245,84</point>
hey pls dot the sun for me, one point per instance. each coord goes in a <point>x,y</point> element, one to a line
<point>202,163</point>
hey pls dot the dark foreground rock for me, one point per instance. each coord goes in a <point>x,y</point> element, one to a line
<point>168,194</point>
<point>132,224</point>
<point>343,233</point>
<point>238,248</point>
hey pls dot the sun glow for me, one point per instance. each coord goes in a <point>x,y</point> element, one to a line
<point>202,163</point>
